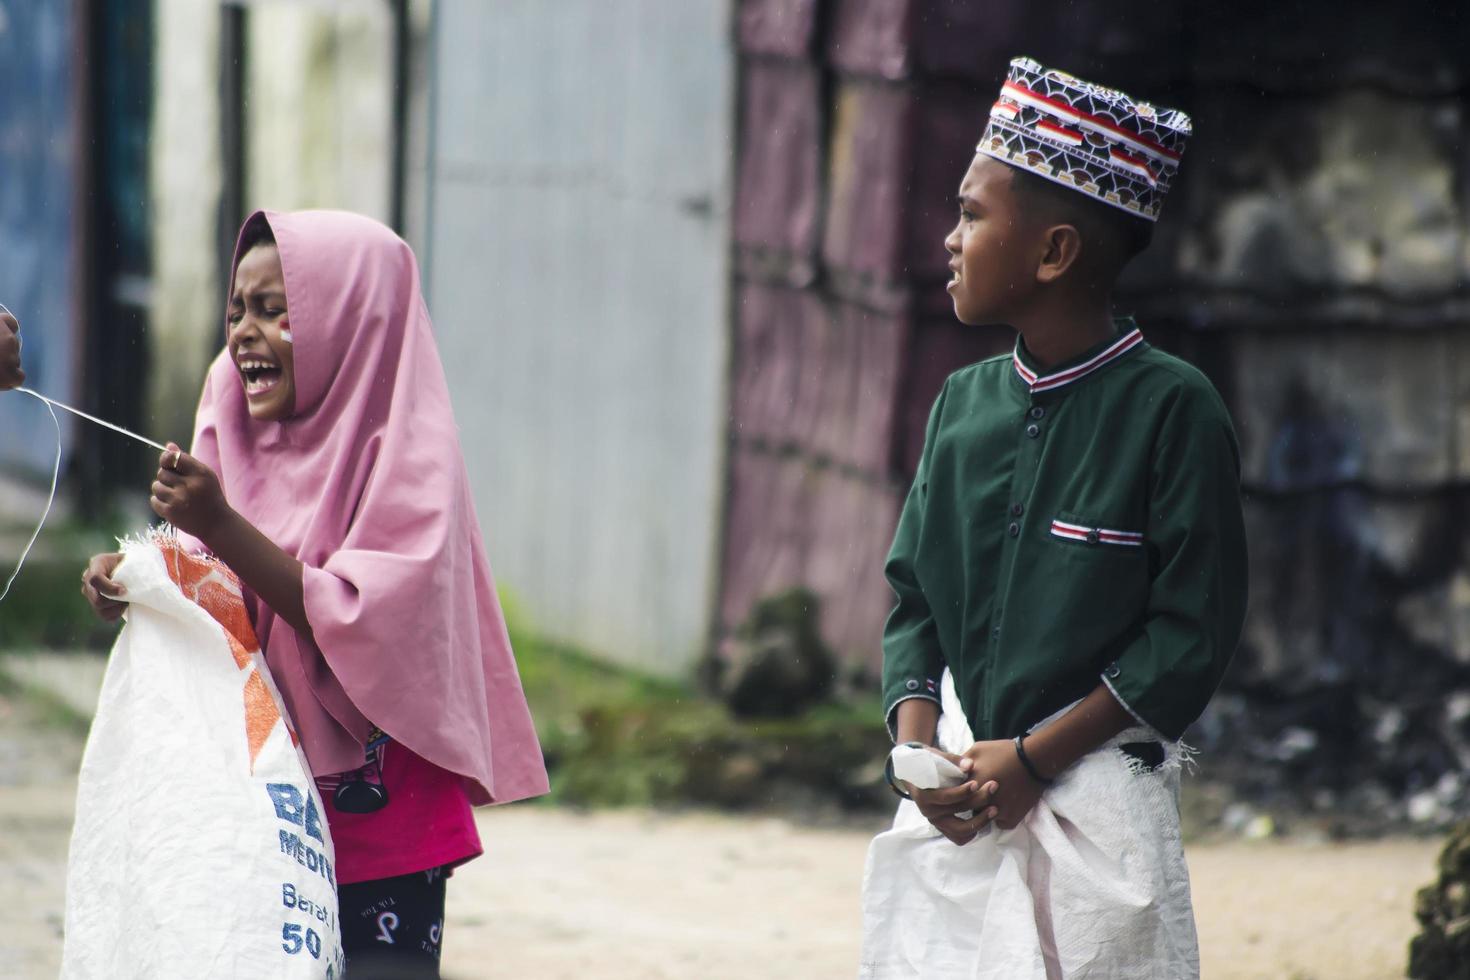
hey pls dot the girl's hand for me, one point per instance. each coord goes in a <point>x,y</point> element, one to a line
<point>187,494</point>
<point>104,595</point>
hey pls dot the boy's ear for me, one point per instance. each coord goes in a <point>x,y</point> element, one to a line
<point>1061,246</point>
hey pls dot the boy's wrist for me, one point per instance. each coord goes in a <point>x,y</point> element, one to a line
<point>917,721</point>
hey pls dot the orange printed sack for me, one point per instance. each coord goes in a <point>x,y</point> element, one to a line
<point>199,848</point>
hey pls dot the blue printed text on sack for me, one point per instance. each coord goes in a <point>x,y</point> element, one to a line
<point>299,809</point>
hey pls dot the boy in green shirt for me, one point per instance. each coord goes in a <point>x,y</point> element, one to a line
<point>1072,555</point>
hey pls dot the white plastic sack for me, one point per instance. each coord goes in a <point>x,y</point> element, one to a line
<point>1092,885</point>
<point>199,848</point>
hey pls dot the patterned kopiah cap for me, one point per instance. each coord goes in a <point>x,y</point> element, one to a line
<point>1093,139</point>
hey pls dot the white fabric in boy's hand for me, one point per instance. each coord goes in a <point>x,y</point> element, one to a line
<point>1092,884</point>
<point>922,769</point>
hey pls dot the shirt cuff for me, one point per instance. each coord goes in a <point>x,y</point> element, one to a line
<point>1111,671</point>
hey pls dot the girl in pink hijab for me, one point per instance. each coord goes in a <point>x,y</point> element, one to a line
<point>326,472</point>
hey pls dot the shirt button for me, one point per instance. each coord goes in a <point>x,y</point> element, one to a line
<point>912,685</point>
<point>1037,412</point>
<point>1017,510</point>
<point>1033,430</point>
<point>1015,530</point>
<point>1093,537</point>
<point>1113,670</point>
<point>995,632</point>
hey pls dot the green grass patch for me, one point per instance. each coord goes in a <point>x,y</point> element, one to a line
<point>44,708</point>
<point>618,737</point>
<point>45,608</point>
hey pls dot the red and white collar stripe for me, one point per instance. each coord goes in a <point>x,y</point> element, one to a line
<point>1039,383</point>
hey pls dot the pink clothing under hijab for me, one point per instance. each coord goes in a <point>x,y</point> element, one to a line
<point>365,484</point>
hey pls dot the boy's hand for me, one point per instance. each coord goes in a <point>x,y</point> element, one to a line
<point>942,806</point>
<point>11,375</point>
<point>104,595</point>
<point>1017,793</point>
<point>187,494</point>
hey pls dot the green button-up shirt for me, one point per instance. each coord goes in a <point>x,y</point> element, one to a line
<point>1066,527</point>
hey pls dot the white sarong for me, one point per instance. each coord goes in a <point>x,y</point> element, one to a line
<point>1092,884</point>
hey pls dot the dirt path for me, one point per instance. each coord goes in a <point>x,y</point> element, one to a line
<point>625,895</point>
<point>636,895</point>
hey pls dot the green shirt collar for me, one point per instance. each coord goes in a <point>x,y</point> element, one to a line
<point>1036,380</point>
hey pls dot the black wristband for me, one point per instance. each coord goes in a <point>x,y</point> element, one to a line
<point>1026,761</point>
<point>893,783</point>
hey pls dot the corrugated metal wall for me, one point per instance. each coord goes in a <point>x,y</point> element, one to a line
<point>577,275</point>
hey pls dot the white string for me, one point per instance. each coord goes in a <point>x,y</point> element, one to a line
<point>55,473</point>
<point>93,418</point>
<point>51,407</point>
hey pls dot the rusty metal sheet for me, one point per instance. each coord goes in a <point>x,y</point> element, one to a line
<point>779,27</point>
<point>817,376</point>
<point>869,179</point>
<point>791,523</point>
<point>1354,191</point>
<point>1326,408</point>
<point>778,192</point>
<point>1344,583</point>
<point>872,37</point>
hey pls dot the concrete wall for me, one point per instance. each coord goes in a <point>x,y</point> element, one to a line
<point>186,317</point>
<point>319,108</point>
<point>577,277</point>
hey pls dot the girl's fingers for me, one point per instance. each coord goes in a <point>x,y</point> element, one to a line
<point>168,478</point>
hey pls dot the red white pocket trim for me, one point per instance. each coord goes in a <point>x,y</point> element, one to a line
<point>1097,535</point>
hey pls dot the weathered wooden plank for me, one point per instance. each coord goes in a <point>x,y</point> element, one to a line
<point>778,27</point>
<point>872,37</point>
<point>869,180</point>
<point>794,524</point>
<point>817,376</point>
<point>778,192</point>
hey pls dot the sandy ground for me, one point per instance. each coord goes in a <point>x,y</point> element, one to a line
<point>623,895</point>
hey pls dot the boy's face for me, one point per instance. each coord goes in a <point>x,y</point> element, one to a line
<point>259,335</point>
<point>992,273</point>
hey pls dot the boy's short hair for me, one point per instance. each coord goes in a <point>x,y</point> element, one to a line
<point>1108,232</point>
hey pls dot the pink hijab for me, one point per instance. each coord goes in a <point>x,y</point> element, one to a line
<point>365,484</point>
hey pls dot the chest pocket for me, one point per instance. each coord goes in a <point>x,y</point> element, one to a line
<point>1070,527</point>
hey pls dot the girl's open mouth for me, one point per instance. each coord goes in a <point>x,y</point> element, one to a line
<point>260,376</point>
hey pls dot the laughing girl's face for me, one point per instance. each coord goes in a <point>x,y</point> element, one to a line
<point>259,335</point>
